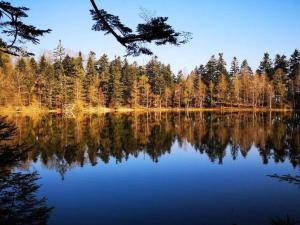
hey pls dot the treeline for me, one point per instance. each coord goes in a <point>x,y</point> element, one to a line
<point>60,81</point>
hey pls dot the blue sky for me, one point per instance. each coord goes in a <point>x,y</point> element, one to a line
<point>245,29</point>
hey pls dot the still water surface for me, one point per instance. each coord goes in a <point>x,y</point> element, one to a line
<point>165,168</point>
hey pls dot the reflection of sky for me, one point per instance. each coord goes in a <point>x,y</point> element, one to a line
<point>184,187</point>
<point>245,29</point>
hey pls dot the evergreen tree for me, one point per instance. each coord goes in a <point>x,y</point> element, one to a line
<point>211,69</point>
<point>116,88</point>
<point>90,75</point>
<point>154,76</point>
<point>294,63</point>
<point>19,78</point>
<point>221,66</point>
<point>280,62</point>
<point>245,68</point>
<point>222,89</point>
<point>279,81</point>
<point>59,52</point>
<point>79,80</point>
<point>103,71</point>
<point>234,68</point>
<point>266,66</point>
<point>129,74</point>
<point>60,90</point>
<point>68,64</point>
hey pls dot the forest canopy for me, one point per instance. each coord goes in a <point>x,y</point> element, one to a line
<point>62,81</point>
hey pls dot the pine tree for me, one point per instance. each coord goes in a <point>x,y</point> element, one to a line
<point>19,78</point>
<point>59,91</point>
<point>200,90</point>
<point>234,68</point>
<point>221,67</point>
<point>90,75</point>
<point>222,89</point>
<point>167,84</point>
<point>144,90</point>
<point>266,66</point>
<point>294,63</point>
<point>245,68</point>
<point>179,90</point>
<point>280,62</point>
<point>279,81</point>
<point>103,71</point>
<point>129,74</point>
<point>78,82</point>
<point>116,88</point>
<point>236,89</point>
<point>59,52</point>
<point>29,81</point>
<point>154,75</point>
<point>68,64</point>
<point>211,71</point>
<point>188,91</point>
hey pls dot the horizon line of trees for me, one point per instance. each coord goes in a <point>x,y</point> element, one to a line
<point>61,81</point>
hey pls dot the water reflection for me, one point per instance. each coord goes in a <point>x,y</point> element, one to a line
<point>63,143</point>
<point>18,201</point>
<point>202,188</point>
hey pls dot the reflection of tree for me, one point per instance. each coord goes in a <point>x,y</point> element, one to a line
<point>284,221</point>
<point>64,143</point>
<point>287,178</point>
<point>18,202</point>
<point>9,154</point>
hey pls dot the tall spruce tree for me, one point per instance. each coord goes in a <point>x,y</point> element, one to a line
<point>234,68</point>
<point>211,68</point>
<point>245,68</point>
<point>221,66</point>
<point>60,90</point>
<point>90,75</point>
<point>281,62</point>
<point>266,66</point>
<point>104,76</point>
<point>294,63</point>
<point>116,87</point>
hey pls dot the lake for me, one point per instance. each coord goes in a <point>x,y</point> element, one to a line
<point>163,168</point>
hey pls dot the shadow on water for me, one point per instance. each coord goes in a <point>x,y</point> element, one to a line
<point>18,201</point>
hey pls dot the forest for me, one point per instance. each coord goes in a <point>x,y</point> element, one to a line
<point>61,82</point>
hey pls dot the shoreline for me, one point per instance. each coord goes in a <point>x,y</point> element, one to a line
<point>103,110</point>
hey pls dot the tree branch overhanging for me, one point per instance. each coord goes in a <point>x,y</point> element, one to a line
<point>15,32</point>
<point>155,30</point>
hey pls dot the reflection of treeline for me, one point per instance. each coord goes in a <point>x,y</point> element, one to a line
<point>72,83</point>
<point>62,143</point>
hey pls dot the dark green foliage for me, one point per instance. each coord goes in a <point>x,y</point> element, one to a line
<point>129,75</point>
<point>245,68</point>
<point>154,30</point>
<point>115,84</point>
<point>281,62</point>
<point>266,66</point>
<point>104,75</point>
<point>294,63</point>
<point>15,31</point>
<point>18,201</point>
<point>234,68</point>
